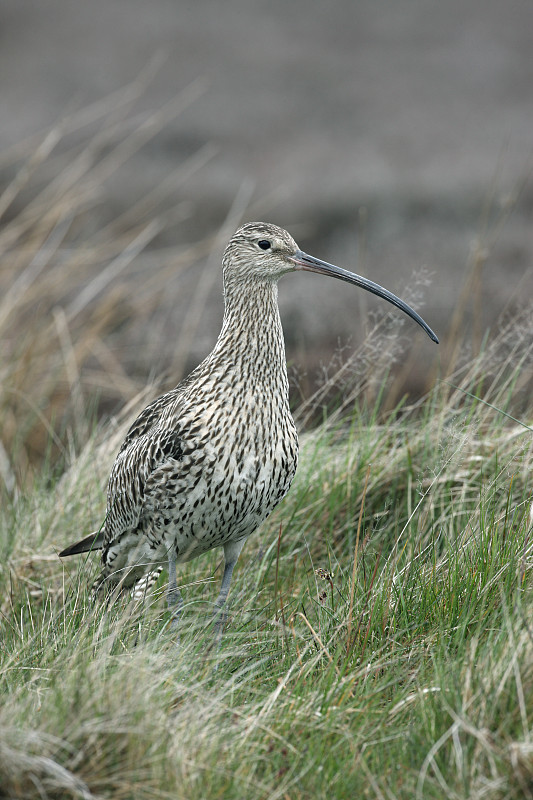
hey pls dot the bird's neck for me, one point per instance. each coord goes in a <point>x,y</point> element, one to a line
<point>251,338</point>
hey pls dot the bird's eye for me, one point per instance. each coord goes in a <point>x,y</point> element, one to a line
<point>264,244</point>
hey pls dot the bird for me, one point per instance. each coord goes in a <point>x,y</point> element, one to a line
<point>205,464</point>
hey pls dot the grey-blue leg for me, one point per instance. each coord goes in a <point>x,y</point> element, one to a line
<point>231,554</point>
<point>174,598</point>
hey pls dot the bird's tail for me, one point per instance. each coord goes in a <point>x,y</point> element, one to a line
<point>107,587</point>
<point>143,585</point>
<point>94,541</point>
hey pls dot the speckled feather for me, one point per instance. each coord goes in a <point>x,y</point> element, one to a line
<point>207,462</point>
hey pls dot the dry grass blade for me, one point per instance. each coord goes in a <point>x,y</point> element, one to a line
<point>65,288</point>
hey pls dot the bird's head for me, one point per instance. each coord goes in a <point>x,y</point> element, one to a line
<point>261,253</point>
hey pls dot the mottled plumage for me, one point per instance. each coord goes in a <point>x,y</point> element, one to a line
<point>203,465</point>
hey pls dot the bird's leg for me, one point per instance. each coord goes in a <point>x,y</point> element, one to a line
<point>231,554</point>
<point>174,598</point>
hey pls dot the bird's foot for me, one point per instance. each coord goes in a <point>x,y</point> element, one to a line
<point>175,606</point>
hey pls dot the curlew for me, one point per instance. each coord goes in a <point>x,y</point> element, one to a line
<point>204,464</point>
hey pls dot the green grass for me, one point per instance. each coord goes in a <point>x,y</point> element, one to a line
<point>414,681</point>
<point>380,635</point>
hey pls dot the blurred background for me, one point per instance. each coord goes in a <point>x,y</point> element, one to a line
<point>391,137</point>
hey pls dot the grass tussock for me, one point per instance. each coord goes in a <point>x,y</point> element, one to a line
<point>379,641</point>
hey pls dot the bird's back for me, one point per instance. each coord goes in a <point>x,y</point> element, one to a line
<point>203,465</point>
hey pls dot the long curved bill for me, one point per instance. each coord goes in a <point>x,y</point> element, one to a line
<point>308,263</point>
